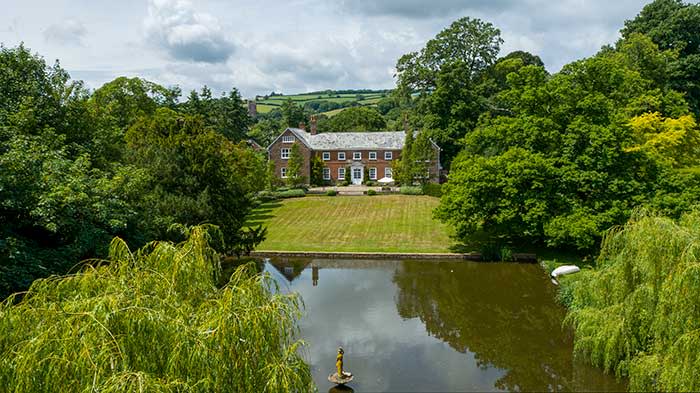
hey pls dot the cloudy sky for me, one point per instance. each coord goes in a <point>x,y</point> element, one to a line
<point>291,46</point>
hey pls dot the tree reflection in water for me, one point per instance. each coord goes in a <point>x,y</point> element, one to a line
<point>507,317</point>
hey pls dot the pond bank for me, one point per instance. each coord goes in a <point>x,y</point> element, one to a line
<point>473,256</point>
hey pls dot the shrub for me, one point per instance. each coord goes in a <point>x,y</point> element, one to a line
<point>267,196</point>
<point>331,193</point>
<point>371,192</point>
<point>432,189</point>
<point>293,193</point>
<point>411,190</point>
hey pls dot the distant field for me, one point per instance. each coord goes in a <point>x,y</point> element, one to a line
<point>262,108</point>
<point>382,223</point>
<point>368,99</point>
<point>333,112</point>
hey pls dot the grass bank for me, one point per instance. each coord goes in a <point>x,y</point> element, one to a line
<point>383,223</point>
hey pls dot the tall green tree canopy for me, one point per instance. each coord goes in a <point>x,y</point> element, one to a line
<point>673,25</point>
<point>196,175</point>
<point>56,206</point>
<point>123,100</point>
<point>292,114</point>
<point>556,166</point>
<point>69,181</point>
<point>470,41</point>
<point>226,115</point>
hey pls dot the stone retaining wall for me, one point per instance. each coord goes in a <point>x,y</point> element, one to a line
<point>383,255</point>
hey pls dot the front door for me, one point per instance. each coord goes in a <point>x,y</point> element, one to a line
<point>357,175</point>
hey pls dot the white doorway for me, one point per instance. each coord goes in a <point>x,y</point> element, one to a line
<point>357,175</point>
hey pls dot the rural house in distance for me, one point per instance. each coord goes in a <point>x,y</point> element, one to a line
<point>362,154</point>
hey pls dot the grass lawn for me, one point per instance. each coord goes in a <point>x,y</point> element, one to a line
<point>382,223</point>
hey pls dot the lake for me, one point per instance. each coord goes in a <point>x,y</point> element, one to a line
<point>436,326</point>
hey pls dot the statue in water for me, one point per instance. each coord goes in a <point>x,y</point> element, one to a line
<point>341,376</point>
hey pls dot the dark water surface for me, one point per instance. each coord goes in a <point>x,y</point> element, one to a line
<point>436,326</point>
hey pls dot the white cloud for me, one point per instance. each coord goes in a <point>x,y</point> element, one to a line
<point>68,32</point>
<point>290,46</point>
<point>187,35</point>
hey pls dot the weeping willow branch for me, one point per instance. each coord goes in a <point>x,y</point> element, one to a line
<point>638,314</point>
<point>153,321</point>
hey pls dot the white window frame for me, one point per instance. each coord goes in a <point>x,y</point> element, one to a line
<point>326,156</point>
<point>341,156</point>
<point>388,156</point>
<point>288,139</point>
<point>341,173</point>
<point>388,173</point>
<point>372,173</point>
<point>283,172</point>
<point>357,155</point>
<point>373,156</point>
<point>326,173</point>
<point>288,152</point>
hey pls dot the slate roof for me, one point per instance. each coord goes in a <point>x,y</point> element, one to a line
<point>385,140</point>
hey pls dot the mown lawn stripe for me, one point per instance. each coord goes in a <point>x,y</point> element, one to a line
<point>383,223</point>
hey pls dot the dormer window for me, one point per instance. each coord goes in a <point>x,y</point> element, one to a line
<point>288,139</point>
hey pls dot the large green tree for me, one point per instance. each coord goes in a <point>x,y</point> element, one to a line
<point>72,177</point>
<point>292,114</point>
<point>557,166</point>
<point>196,175</point>
<point>470,41</point>
<point>56,206</point>
<point>449,73</point>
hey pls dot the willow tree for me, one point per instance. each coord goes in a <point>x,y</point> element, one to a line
<point>638,313</point>
<point>153,320</point>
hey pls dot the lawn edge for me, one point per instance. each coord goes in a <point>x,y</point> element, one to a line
<point>365,255</point>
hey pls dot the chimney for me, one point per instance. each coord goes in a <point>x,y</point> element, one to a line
<point>302,126</point>
<point>252,108</point>
<point>405,121</point>
<point>313,125</point>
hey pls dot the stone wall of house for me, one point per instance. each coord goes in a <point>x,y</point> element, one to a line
<point>275,152</point>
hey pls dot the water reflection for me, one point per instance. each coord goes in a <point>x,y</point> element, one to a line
<point>436,326</point>
<point>341,389</point>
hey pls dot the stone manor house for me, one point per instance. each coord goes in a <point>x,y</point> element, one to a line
<point>361,153</point>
